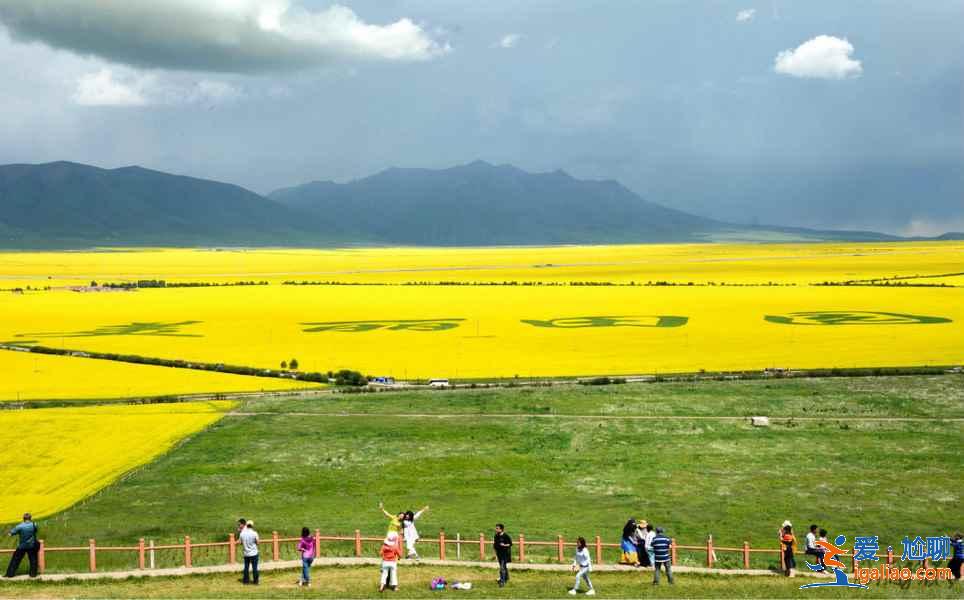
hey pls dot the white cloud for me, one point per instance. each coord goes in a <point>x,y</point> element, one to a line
<point>509,40</point>
<point>823,57</point>
<point>120,86</point>
<point>745,15</point>
<point>102,89</point>
<point>239,36</point>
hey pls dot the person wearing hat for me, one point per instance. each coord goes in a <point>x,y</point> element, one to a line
<point>390,552</point>
<point>661,556</point>
<point>27,544</point>
<point>249,548</point>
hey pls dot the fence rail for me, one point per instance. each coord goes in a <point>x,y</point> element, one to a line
<point>145,553</point>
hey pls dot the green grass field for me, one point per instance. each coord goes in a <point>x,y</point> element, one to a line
<point>362,582</point>
<point>860,456</point>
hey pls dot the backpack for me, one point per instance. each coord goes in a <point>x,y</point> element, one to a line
<point>438,583</point>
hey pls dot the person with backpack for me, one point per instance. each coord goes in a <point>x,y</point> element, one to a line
<point>249,549</point>
<point>411,534</point>
<point>662,556</point>
<point>390,553</point>
<point>502,544</point>
<point>307,551</point>
<point>28,544</point>
<point>582,565</point>
<point>789,545</point>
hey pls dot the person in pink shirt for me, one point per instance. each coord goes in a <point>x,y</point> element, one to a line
<point>307,550</point>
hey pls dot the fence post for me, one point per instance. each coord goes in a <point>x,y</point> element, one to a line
<point>441,544</point>
<point>458,546</point>
<point>92,550</point>
<point>560,549</point>
<point>141,558</point>
<point>598,550</point>
<point>481,546</point>
<point>152,554</point>
<point>275,548</point>
<point>42,557</point>
<point>357,542</point>
<point>317,543</point>
<point>709,551</point>
<point>746,555</point>
<point>890,555</point>
<point>672,551</point>
<point>187,551</point>
<point>853,563</point>
<point>522,547</point>
<point>232,549</point>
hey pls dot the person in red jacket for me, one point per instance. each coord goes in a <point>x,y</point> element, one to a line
<point>390,555</point>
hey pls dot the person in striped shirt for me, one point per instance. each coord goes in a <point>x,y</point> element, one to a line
<point>661,556</point>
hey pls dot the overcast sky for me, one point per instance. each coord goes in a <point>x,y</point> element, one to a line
<point>844,114</point>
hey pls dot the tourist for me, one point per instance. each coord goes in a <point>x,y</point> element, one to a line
<point>662,556</point>
<point>411,534</point>
<point>789,543</point>
<point>249,549</point>
<point>241,523</point>
<point>628,545</point>
<point>582,565</point>
<point>502,544</point>
<point>811,546</point>
<point>28,544</point>
<point>957,542</point>
<point>650,534</point>
<point>307,550</point>
<point>642,556</point>
<point>394,521</point>
<point>390,554</point>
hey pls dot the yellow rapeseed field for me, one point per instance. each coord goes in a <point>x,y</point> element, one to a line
<point>727,320</point>
<point>74,452</point>
<point>32,376</point>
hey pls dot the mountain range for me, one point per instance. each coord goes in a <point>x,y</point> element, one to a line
<point>71,205</point>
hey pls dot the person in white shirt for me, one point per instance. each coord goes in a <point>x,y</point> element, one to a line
<point>582,564</point>
<point>411,534</point>
<point>650,534</point>
<point>249,549</point>
<point>812,548</point>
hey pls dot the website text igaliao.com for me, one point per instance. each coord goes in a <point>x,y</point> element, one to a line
<point>888,573</point>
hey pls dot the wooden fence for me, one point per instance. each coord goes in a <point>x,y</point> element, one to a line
<point>479,549</point>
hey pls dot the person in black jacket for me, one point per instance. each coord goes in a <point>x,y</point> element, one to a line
<point>502,544</point>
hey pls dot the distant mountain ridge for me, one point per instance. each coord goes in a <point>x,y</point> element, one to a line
<point>71,205</point>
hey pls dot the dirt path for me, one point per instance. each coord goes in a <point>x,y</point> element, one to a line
<point>780,418</point>
<point>294,565</point>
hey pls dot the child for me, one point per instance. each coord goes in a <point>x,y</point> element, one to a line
<point>306,548</point>
<point>583,564</point>
<point>411,534</point>
<point>390,555</point>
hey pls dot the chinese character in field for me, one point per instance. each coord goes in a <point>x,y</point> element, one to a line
<point>938,548</point>
<point>865,548</point>
<point>915,549</point>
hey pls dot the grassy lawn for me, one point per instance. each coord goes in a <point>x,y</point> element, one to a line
<point>362,582</point>
<point>546,477</point>
<point>918,396</point>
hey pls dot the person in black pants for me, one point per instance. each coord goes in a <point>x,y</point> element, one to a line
<point>28,544</point>
<point>503,552</point>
